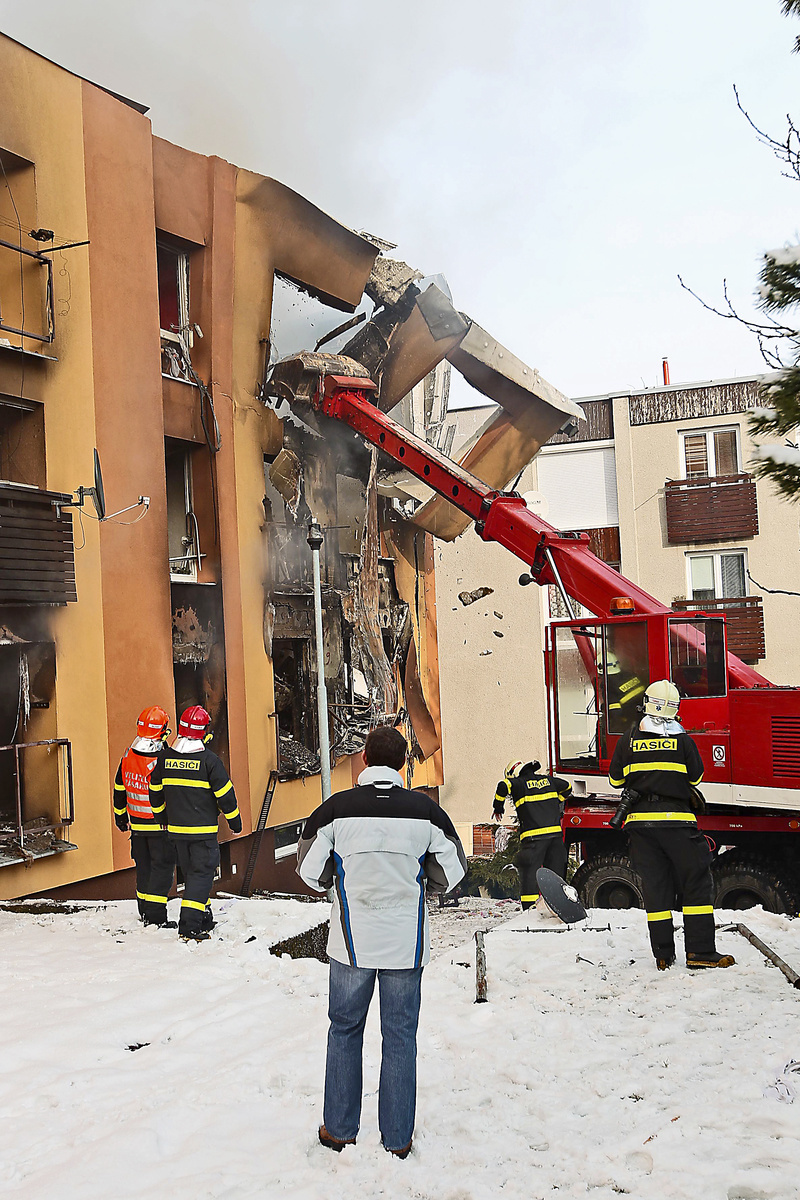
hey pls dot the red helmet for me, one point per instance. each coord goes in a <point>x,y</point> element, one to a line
<point>194,723</point>
<point>153,723</point>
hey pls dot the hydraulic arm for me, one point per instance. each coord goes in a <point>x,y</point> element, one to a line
<point>551,556</point>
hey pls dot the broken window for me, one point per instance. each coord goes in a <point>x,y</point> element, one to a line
<point>185,556</point>
<point>173,307</point>
<point>22,458</point>
<point>36,797</point>
<point>26,274</point>
<point>198,655</point>
<point>294,672</point>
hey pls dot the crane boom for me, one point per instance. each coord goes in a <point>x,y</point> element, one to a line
<point>553,557</point>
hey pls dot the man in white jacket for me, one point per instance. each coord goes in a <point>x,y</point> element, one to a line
<point>377,845</point>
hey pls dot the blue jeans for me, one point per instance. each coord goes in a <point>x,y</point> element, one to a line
<point>349,998</point>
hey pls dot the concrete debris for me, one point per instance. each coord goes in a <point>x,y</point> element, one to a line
<point>498,615</point>
<point>497,633</point>
<point>285,475</point>
<point>483,653</point>
<point>389,280</point>
<point>295,759</point>
<point>471,597</point>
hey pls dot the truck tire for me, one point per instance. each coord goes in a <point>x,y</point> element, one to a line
<point>608,881</point>
<point>743,880</point>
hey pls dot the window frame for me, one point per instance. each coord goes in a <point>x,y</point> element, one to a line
<point>192,557</point>
<point>180,340</point>
<point>711,455</point>
<point>716,556</point>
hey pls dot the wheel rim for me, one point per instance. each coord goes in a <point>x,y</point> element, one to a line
<point>740,898</point>
<point>617,894</point>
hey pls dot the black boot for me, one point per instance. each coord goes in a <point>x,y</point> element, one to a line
<point>699,962</point>
<point>665,961</point>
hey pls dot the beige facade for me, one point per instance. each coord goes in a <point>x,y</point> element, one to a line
<point>613,479</point>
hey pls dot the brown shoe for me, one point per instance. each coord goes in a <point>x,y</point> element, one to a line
<point>698,962</point>
<point>404,1153</point>
<point>333,1143</point>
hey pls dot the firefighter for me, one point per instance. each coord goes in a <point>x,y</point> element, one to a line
<point>538,802</point>
<point>659,767</point>
<point>191,787</point>
<point>151,849</point>
<point>625,692</point>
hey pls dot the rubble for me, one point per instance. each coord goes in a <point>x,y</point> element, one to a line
<point>191,641</point>
<point>471,597</point>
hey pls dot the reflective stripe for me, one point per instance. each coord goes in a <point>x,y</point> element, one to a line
<point>200,783</point>
<point>540,832</point>
<point>158,807</point>
<point>697,910</point>
<point>665,915</point>
<point>530,799</point>
<point>142,809</point>
<point>499,799</point>
<point>655,766</point>
<point>155,787</point>
<point>616,782</point>
<point>119,787</point>
<point>192,828</point>
<point>694,782</point>
<point>140,827</point>
<point>529,899</point>
<point>193,904</point>
<point>152,899</point>
<point>223,790</point>
<point>690,818</point>
<point>231,815</point>
<point>120,811</point>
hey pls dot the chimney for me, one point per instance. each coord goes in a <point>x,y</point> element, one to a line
<point>665,370</point>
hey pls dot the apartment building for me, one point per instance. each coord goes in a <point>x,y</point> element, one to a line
<point>137,287</point>
<point>660,481</point>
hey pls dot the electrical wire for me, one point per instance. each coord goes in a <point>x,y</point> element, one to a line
<point>770,591</point>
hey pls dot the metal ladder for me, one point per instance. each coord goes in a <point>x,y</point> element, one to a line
<point>258,833</point>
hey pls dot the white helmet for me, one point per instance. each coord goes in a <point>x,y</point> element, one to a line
<point>611,665</point>
<point>513,769</point>
<point>662,699</point>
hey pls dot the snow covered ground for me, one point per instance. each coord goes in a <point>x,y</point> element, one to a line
<point>587,1074</point>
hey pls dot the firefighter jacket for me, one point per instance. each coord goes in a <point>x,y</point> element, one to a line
<point>538,800</point>
<point>662,768</point>
<point>132,806</point>
<point>377,844</point>
<point>624,696</point>
<point>189,788</point>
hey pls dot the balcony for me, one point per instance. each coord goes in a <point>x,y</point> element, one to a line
<point>744,622</point>
<point>37,560</point>
<point>37,803</point>
<point>718,509</point>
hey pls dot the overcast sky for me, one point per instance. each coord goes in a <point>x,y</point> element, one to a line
<point>560,161</point>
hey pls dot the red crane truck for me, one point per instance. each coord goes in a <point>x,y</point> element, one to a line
<point>747,729</point>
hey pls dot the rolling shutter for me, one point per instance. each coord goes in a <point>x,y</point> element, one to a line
<point>581,487</point>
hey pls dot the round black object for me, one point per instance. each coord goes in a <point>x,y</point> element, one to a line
<point>609,881</point>
<point>560,897</point>
<point>743,880</point>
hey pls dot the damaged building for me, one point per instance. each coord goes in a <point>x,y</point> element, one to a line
<point>171,311</point>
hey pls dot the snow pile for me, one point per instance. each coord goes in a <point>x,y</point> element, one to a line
<point>588,1074</point>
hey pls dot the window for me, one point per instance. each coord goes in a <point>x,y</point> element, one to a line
<point>721,576</point>
<point>173,307</point>
<point>182,530</point>
<point>286,839</point>
<point>580,486</point>
<point>710,453</point>
<point>697,656</point>
<point>26,274</point>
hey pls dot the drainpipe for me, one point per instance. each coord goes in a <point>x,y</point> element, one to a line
<point>314,540</point>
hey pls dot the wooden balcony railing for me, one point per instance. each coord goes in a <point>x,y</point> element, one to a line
<point>744,622</point>
<point>716,509</point>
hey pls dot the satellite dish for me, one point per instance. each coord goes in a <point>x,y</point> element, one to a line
<point>98,495</point>
<point>538,503</point>
<point>98,492</point>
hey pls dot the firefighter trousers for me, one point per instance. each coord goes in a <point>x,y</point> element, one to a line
<point>674,865</point>
<point>538,852</point>
<point>154,855</point>
<point>198,859</point>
